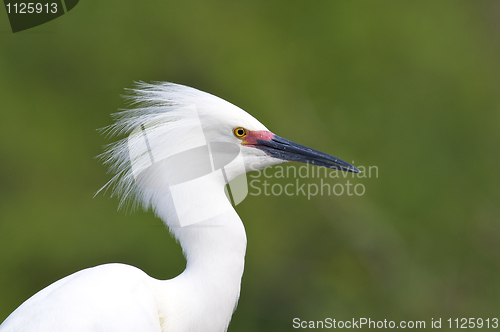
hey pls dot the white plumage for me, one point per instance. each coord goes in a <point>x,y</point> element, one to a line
<point>164,124</point>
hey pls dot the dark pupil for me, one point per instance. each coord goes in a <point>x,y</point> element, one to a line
<point>240,132</point>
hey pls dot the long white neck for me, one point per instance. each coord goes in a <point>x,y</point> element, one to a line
<point>205,295</point>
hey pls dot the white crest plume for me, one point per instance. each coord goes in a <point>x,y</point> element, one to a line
<point>168,112</point>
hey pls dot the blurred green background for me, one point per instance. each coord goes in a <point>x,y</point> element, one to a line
<point>411,87</point>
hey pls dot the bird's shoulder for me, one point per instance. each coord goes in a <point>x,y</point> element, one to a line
<point>110,296</point>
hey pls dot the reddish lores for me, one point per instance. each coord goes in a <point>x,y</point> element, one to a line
<point>261,135</point>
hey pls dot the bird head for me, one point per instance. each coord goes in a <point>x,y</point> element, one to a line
<point>177,134</point>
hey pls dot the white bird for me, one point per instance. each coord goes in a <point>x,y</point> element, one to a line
<point>183,147</point>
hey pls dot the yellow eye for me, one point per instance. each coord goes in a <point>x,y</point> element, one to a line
<point>240,132</point>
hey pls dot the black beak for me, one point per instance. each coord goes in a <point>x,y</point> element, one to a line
<point>284,149</point>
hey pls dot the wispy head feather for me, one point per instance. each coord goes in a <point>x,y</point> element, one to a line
<point>160,106</point>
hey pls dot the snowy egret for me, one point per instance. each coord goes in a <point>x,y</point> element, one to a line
<point>183,147</point>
